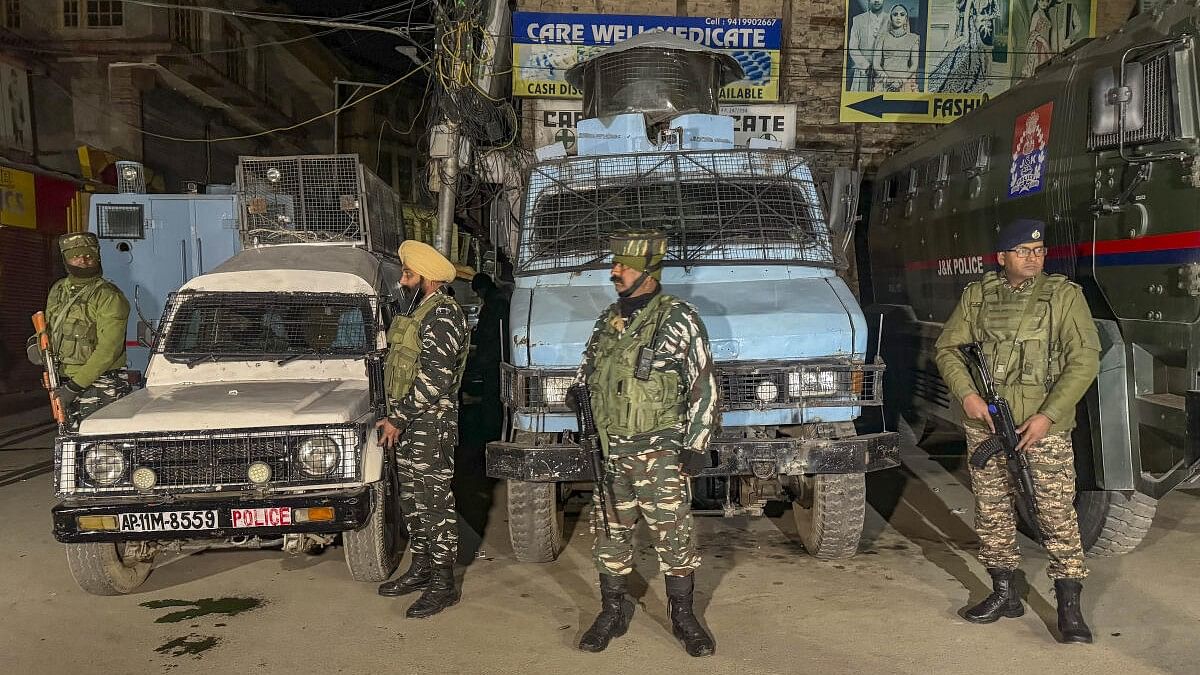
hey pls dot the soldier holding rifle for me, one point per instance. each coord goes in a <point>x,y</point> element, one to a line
<point>1036,333</point>
<point>84,330</point>
<point>650,378</point>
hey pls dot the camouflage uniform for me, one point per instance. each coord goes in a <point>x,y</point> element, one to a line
<point>644,470</point>
<point>427,415</point>
<point>1044,350</point>
<point>87,317</point>
<point>654,396</point>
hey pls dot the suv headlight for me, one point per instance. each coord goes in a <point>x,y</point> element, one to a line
<point>318,455</point>
<point>104,464</point>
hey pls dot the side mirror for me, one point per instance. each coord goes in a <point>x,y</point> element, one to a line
<point>375,382</point>
<point>843,203</point>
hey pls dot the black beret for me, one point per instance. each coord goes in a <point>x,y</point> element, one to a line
<point>1021,231</point>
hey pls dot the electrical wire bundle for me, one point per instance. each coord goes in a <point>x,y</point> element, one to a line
<point>490,124</point>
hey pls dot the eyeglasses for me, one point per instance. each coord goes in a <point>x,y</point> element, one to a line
<point>1039,252</point>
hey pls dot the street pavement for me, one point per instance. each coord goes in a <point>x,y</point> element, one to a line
<point>772,608</point>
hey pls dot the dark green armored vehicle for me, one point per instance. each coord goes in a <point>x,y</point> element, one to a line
<point>1103,145</point>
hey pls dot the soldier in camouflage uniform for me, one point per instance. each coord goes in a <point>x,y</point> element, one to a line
<point>1039,338</point>
<point>427,355</point>
<point>86,317</point>
<point>655,424</point>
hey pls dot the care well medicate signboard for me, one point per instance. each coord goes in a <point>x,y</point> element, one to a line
<point>545,45</point>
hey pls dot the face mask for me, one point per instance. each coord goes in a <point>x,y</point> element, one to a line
<point>84,272</point>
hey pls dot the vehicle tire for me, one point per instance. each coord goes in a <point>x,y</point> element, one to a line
<point>829,510</point>
<point>373,551</point>
<point>1111,522</point>
<point>103,568</point>
<point>535,521</point>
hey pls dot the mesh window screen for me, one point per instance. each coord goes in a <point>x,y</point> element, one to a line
<point>1158,108</point>
<point>198,325</point>
<point>734,206</point>
<point>120,221</point>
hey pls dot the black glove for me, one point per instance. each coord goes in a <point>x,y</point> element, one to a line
<point>692,462</point>
<point>33,351</point>
<point>67,392</point>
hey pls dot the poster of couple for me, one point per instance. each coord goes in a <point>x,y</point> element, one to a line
<point>975,47</point>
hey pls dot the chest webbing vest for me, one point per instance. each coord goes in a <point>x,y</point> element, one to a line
<point>625,405</point>
<point>404,349</point>
<point>72,325</point>
<point>1017,332</point>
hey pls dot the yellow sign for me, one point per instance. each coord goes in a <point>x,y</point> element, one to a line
<point>933,61</point>
<point>860,106</point>
<point>18,205</point>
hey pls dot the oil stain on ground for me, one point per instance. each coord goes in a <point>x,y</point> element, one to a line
<point>189,645</point>
<point>203,607</point>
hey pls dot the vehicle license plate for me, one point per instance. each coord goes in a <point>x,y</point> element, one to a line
<point>274,516</point>
<point>163,521</point>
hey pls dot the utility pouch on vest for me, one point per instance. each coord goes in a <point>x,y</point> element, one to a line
<point>645,361</point>
<point>645,358</point>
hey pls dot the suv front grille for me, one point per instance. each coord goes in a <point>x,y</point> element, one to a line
<point>208,462</point>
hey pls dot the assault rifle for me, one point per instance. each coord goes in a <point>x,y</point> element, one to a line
<point>50,379</point>
<point>589,440</point>
<point>1004,440</point>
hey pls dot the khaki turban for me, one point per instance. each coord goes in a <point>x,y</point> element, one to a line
<point>426,261</point>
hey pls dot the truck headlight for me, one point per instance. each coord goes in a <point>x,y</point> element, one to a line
<point>318,455</point>
<point>554,389</point>
<point>104,464</point>
<point>766,391</point>
<point>812,383</point>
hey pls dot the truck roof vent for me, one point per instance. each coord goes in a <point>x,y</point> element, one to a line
<point>658,74</point>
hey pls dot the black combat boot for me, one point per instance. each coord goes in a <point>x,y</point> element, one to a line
<point>1070,614</point>
<point>1002,602</point>
<point>416,578</point>
<point>684,623</point>
<point>439,594</point>
<point>616,611</point>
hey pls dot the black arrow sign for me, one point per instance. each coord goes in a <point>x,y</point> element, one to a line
<point>878,106</point>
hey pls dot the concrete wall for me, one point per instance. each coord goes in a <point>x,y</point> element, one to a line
<point>812,62</point>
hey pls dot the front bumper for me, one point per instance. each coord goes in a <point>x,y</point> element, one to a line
<point>761,458</point>
<point>351,510</point>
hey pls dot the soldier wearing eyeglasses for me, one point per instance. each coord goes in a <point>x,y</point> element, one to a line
<point>1039,337</point>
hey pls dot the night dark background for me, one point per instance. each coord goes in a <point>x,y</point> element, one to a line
<point>368,51</point>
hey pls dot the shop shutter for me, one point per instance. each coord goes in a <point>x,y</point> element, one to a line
<point>25,278</point>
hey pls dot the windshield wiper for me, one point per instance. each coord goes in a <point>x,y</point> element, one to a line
<point>191,363</point>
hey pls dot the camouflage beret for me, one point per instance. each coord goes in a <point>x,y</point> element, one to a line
<point>78,243</point>
<point>640,249</point>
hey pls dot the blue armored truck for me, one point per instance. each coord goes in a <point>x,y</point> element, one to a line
<point>152,244</point>
<point>750,246</point>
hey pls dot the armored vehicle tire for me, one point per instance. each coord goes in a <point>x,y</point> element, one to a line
<point>829,510</point>
<point>1111,522</point>
<point>535,521</point>
<point>103,568</point>
<point>373,550</point>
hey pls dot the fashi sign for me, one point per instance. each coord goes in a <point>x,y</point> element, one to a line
<point>555,121</point>
<point>545,45</point>
<point>933,61</point>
